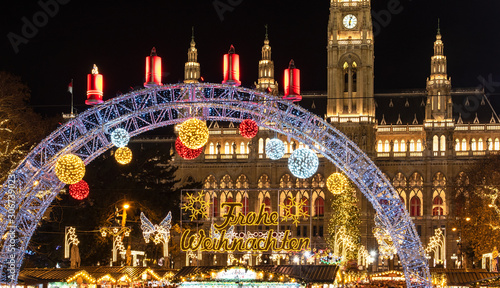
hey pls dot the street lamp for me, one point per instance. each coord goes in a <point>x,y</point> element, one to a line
<point>118,233</point>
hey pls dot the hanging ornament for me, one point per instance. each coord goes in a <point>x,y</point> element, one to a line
<point>275,149</point>
<point>120,137</point>
<point>194,133</point>
<point>70,169</point>
<point>303,163</point>
<point>249,128</point>
<point>185,152</point>
<point>80,190</point>
<point>123,155</point>
<point>337,183</point>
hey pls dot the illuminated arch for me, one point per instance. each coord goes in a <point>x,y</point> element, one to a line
<point>34,184</point>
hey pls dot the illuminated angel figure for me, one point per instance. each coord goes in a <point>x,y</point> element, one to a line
<point>215,234</point>
<point>158,233</point>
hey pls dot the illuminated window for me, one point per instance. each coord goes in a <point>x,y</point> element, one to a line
<point>419,145</point>
<point>464,145</point>
<point>435,143</point>
<point>403,146</point>
<point>396,146</point>
<point>319,207</point>
<point>480,145</point>
<point>473,145</point>
<point>415,206</point>
<point>490,144</point>
<point>399,182</point>
<point>412,145</point>
<point>227,148</point>
<point>443,143</point>
<point>287,150</point>
<point>305,207</point>
<point>457,145</point>
<point>439,196</point>
<point>497,144</point>
<point>211,149</point>
<point>214,207</point>
<point>380,147</point>
<point>261,146</point>
<point>243,148</point>
<point>245,205</point>
<point>387,146</point>
<point>437,205</point>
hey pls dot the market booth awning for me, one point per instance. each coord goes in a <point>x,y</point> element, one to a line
<point>460,277</point>
<point>255,276</point>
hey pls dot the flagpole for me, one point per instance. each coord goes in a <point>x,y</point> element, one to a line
<point>72,98</point>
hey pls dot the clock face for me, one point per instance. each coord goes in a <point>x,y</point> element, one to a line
<point>350,21</point>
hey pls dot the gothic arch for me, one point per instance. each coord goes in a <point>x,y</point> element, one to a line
<point>88,136</point>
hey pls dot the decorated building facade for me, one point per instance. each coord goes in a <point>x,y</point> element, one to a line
<point>421,139</point>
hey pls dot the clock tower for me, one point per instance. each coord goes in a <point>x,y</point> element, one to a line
<point>350,62</point>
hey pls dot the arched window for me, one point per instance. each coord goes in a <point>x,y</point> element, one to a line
<point>497,144</point>
<point>400,184</point>
<point>319,206</point>
<point>480,146</point>
<point>419,145</point>
<point>464,145</point>
<point>211,149</point>
<point>243,148</point>
<point>473,145</point>
<point>288,202</point>
<point>227,148</point>
<point>435,143</point>
<point>214,207</point>
<point>437,205</point>
<point>287,149</point>
<point>412,145</point>
<point>261,146</point>
<point>245,205</point>
<point>387,147</point>
<point>396,146</point>
<point>267,205</point>
<point>443,143</point>
<point>490,144</point>
<point>457,145</point>
<point>380,147</point>
<point>415,206</point>
<point>403,146</point>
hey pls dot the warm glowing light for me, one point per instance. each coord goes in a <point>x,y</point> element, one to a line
<point>120,137</point>
<point>292,83</point>
<point>193,133</point>
<point>80,190</point>
<point>249,128</point>
<point>123,155</point>
<point>70,169</point>
<point>185,152</point>
<point>275,149</point>
<point>303,163</point>
<point>153,69</point>
<point>454,229</point>
<point>126,206</point>
<point>232,68</point>
<point>467,219</point>
<point>94,87</point>
<point>337,183</point>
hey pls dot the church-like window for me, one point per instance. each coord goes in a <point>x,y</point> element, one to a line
<point>473,145</point>
<point>243,148</point>
<point>464,145</point>
<point>403,146</point>
<point>497,144</point>
<point>490,144</point>
<point>415,206</point>
<point>412,145</point>
<point>443,143</point>
<point>435,143</point>
<point>480,146</point>
<point>211,149</point>
<point>387,146</point>
<point>380,147</point>
<point>457,145</point>
<point>261,146</point>
<point>419,145</point>
<point>396,146</point>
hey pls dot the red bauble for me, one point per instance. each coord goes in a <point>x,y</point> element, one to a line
<point>249,128</point>
<point>185,152</point>
<point>79,191</point>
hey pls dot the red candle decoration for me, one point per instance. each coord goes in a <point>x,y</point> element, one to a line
<point>80,190</point>
<point>292,83</point>
<point>185,152</point>
<point>153,70</point>
<point>249,128</point>
<point>232,68</point>
<point>94,87</point>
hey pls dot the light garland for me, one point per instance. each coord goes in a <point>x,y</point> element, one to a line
<point>299,206</point>
<point>80,190</point>
<point>123,155</point>
<point>70,169</point>
<point>194,133</point>
<point>120,137</point>
<point>249,128</point>
<point>275,149</point>
<point>185,152</point>
<point>303,163</point>
<point>337,183</point>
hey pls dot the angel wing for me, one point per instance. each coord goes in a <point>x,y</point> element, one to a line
<point>148,229</point>
<point>167,222</point>
<point>213,232</point>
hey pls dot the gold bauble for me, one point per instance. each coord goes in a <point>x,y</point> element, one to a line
<point>193,133</point>
<point>337,183</point>
<point>123,155</point>
<point>70,169</point>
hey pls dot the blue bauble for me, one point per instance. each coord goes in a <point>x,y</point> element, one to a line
<point>303,163</point>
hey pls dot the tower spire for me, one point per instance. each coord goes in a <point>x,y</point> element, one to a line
<point>439,27</point>
<point>192,67</point>
<point>267,35</point>
<point>266,82</point>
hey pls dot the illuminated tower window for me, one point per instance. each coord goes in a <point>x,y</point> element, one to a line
<point>497,144</point>
<point>464,145</point>
<point>443,143</point>
<point>396,146</point>
<point>473,145</point>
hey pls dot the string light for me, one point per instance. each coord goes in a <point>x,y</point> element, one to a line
<point>194,133</point>
<point>337,183</point>
<point>303,163</point>
<point>120,137</point>
<point>275,149</point>
<point>70,169</point>
<point>185,152</point>
<point>123,155</point>
<point>80,190</point>
<point>249,128</point>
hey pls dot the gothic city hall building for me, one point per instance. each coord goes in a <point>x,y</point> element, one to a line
<point>415,137</point>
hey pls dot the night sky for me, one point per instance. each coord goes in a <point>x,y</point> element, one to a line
<point>117,35</point>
